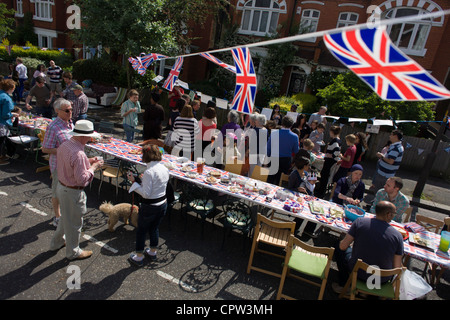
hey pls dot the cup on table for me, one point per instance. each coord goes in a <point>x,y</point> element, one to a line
<point>200,165</point>
<point>99,158</point>
<point>445,241</point>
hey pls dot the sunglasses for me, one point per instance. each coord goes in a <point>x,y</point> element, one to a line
<point>67,110</point>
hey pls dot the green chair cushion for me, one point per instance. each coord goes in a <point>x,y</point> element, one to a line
<point>386,290</point>
<point>308,263</point>
<point>201,205</point>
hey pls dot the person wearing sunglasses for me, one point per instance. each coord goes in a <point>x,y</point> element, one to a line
<point>57,132</point>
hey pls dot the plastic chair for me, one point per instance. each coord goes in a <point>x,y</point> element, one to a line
<point>196,199</point>
<point>271,233</point>
<point>238,216</point>
<point>388,290</point>
<point>260,173</point>
<point>306,259</point>
<point>26,141</point>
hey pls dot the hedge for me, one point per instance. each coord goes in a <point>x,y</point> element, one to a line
<point>63,60</point>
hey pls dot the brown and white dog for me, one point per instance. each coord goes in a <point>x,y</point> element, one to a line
<point>123,210</point>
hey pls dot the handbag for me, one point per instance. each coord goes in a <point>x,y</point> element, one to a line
<point>413,286</point>
<point>168,140</point>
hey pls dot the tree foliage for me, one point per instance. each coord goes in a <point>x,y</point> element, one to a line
<point>6,20</point>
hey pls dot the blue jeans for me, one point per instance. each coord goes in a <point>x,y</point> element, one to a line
<point>129,132</point>
<point>149,218</point>
<point>20,88</point>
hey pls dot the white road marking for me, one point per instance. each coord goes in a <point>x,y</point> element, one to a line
<point>99,243</point>
<point>175,280</point>
<point>31,208</point>
<point>3,193</point>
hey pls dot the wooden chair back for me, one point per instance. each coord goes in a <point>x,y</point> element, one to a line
<point>430,224</point>
<point>260,173</point>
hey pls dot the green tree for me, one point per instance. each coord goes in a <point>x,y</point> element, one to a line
<point>6,20</point>
<point>349,96</point>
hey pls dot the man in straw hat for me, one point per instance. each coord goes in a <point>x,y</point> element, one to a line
<point>75,172</point>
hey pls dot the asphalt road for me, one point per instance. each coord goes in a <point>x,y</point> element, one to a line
<point>189,267</point>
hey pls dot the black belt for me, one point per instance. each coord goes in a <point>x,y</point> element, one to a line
<point>151,201</point>
<point>74,187</point>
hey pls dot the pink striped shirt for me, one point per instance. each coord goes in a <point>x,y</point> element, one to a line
<point>73,165</point>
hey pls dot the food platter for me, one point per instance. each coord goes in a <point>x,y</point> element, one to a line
<point>403,232</point>
<point>192,174</point>
<point>187,167</point>
<point>316,207</point>
<point>169,165</point>
<point>422,240</point>
<point>336,212</point>
<point>235,189</point>
<point>135,151</point>
<point>211,180</point>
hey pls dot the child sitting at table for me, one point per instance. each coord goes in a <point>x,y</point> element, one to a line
<point>310,182</point>
<point>308,145</point>
<point>317,137</point>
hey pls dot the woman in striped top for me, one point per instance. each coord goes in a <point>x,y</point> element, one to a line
<point>332,153</point>
<point>185,129</point>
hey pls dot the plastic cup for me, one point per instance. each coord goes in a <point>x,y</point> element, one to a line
<point>200,165</point>
<point>445,241</point>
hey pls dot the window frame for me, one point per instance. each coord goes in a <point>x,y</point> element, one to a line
<point>41,6</point>
<point>310,19</point>
<point>251,11</point>
<point>347,22</point>
<point>19,6</point>
<point>409,50</point>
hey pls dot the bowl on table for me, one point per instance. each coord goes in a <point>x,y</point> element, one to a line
<point>353,212</point>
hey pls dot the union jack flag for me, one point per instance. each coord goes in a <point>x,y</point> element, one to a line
<point>148,59</point>
<point>218,62</point>
<point>173,75</point>
<point>245,91</point>
<point>371,55</point>
<point>137,65</point>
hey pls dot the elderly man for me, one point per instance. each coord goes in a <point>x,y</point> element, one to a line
<point>80,104</point>
<point>44,96</point>
<point>374,241</point>
<point>319,116</point>
<point>75,172</point>
<point>391,192</point>
<point>57,132</point>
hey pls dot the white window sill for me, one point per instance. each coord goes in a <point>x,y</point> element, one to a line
<point>254,33</point>
<point>417,53</point>
<point>19,15</point>
<point>43,19</point>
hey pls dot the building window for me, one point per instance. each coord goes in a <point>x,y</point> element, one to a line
<point>260,17</point>
<point>412,36</point>
<point>347,19</point>
<point>43,10</point>
<point>19,9</point>
<point>309,22</point>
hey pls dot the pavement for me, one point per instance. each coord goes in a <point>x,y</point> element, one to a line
<point>192,269</point>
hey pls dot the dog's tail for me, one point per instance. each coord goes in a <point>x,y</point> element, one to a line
<point>106,207</point>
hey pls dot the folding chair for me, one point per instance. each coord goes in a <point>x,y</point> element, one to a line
<point>271,233</point>
<point>388,290</point>
<point>284,178</point>
<point>121,95</point>
<point>26,141</point>
<point>306,259</point>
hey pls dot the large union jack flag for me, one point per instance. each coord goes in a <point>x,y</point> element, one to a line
<point>371,55</point>
<point>245,91</point>
<point>173,75</point>
<point>211,58</point>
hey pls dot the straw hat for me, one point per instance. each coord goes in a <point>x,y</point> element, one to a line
<point>84,128</point>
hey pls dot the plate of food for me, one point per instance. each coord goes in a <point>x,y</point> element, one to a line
<point>316,207</point>
<point>403,232</point>
<point>211,180</point>
<point>192,174</point>
<point>182,159</point>
<point>187,167</point>
<point>135,151</point>
<point>235,189</point>
<point>216,174</point>
<point>336,212</point>
<point>422,240</point>
<point>169,165</point>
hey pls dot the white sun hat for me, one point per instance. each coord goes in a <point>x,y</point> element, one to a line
<point>84,128</point>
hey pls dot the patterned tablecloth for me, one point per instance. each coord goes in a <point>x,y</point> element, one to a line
<point>265,194</point>
<point>35,123</point>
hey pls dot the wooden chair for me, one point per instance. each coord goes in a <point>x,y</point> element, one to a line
<point>306,259</point>
<point>407,215</point>
<point>234,167</point>
<point>284,178</point>
<point>260,173</point>
<point>272,233</point>
<point>430,224</point>
<point>388,290</point>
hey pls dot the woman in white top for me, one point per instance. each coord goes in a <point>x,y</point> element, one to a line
<point>129,111</point>
<point>153,206</point>
<point>40,72</point>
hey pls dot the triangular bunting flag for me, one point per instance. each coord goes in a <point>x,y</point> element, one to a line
<point>173,75</point>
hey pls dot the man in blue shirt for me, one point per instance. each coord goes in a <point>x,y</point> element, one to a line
<point>288,145</point>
